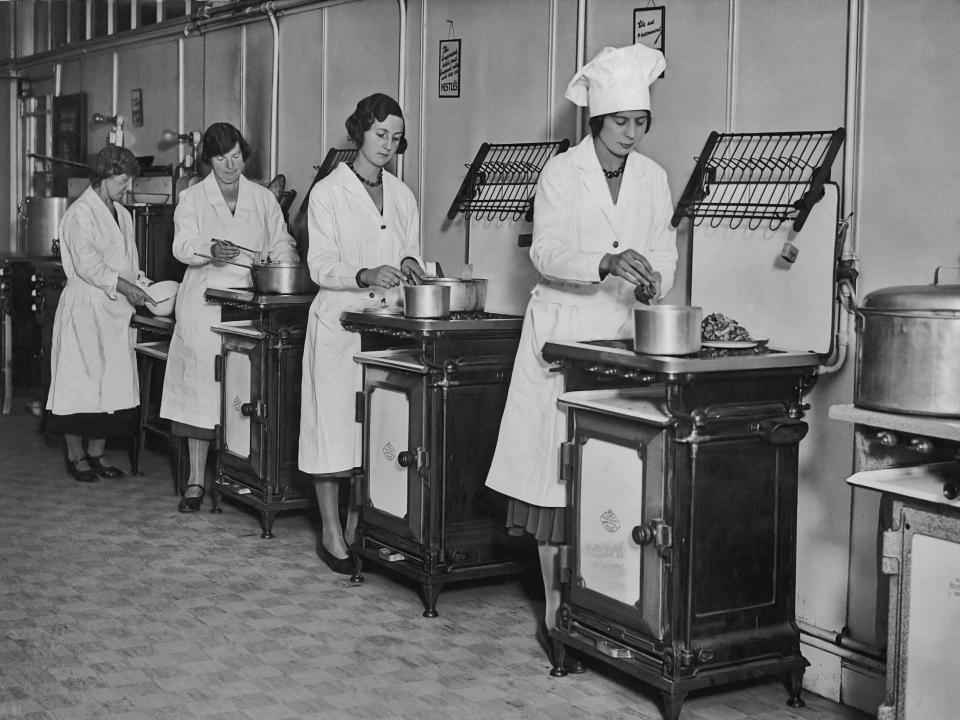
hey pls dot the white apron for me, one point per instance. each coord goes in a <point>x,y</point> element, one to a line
<point>575,224</point>
<point>190,393</point>
<point>346,234</point>
<point>93,366</point>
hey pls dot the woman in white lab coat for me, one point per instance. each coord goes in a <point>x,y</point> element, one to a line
<point>216,218</point>
<point>602,240</point>
<point>363,228</point>
<point>93,368</point>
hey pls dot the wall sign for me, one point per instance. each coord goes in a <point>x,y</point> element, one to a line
<point>648,26</point>
<point>450,68</point>
<point>136,106</point>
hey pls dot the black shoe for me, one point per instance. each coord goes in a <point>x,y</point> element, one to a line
<point>570,663</point>
<point>104,471</point>
<point>85,476</point>
<point>191,504</point>
<point>341,566</point>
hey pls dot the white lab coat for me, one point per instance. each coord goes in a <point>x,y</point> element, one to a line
<point>93,366</point>
<point>575,224</point>
<point>346,234</point>
<point>190,393</point>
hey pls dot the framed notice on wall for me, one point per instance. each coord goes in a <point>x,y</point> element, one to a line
<point>450,68</point>
<point>648,26</point>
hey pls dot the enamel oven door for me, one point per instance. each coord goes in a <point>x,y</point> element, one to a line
<point>618,534</point>
<point>243,411</point>
<point>394,456</point>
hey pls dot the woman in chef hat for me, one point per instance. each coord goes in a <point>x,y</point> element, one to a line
<point>602,241</point>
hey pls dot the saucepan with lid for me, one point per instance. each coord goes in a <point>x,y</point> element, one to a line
<point>909,341</point>
<point>465,295</point>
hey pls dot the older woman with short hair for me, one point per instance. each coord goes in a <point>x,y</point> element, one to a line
<point>94,391</point>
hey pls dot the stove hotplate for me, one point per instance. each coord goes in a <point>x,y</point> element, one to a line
<point>394,321</point>
<point>619,353</point>
<point>248,297</point>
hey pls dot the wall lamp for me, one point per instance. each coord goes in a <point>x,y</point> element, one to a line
<point>101,119</point>
<point>169,137</point>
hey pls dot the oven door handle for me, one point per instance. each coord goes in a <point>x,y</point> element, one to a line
<point>782,431</point>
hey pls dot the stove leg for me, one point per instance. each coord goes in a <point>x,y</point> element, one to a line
<point>357,576</point>
<point>430,593</point>
<point>672,703</point>
<point>214,499</point>
<point>266,522</point>
<point>794,683</point>
<point>558,657</point>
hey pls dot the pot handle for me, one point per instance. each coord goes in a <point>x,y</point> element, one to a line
<point>936,273</point>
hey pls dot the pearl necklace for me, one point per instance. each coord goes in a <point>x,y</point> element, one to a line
<point>379,181</point>
<point>611,174</point>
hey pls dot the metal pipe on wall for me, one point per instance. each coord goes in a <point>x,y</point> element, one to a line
<point>581,49</point>
<point>853,144</point>
<point>274,94</point>
<point>402,79</point>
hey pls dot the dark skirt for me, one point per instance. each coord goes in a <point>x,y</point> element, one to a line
<point>122,423</point>
<point>546,524</point>
<point>191,431</point>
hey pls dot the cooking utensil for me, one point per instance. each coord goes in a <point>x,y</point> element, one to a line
<point>426,301</point>
<point>164,294</point>
<point>465,295</point>
<point>666,329</point>
<point>228,243</point>
<point>909,341</point>
<point>275,278</point>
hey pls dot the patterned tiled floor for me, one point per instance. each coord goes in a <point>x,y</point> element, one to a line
<point>115,606</point>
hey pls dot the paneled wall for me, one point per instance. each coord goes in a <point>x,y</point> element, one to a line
<point>732,66</point>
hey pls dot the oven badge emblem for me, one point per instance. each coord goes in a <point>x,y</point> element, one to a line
<point>237,403</point>
<point>610,521</point>
<point>388,451</point>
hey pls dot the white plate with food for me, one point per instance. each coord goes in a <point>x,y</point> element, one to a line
<point>735,344</point>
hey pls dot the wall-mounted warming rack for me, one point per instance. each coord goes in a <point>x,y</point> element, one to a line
<point>759,177</point>
<point>501,180</point>
<point>334,157</point>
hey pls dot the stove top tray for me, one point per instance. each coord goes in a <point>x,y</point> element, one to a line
<point>395,319</point>
<point>618,353</point>
<point>247,296</point>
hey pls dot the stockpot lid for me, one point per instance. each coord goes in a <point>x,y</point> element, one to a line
<point>944,298</point>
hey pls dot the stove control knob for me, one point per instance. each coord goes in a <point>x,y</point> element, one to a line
<point>950,491</point>
<point>407,458</point>
<point>643,534</point>
<point>921,446</point>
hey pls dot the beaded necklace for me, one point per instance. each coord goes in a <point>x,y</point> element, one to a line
<point>611,174</point>
<point>379,181</point>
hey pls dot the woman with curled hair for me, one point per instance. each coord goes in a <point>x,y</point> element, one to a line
<point>94,392</point>
<point>223,206</point>
<point>364,243</point>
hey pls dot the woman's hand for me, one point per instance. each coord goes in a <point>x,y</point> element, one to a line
<point>412,272</point>
<point>223,251</point>
<point>632,267</point>
<point>385,276</point>
<point>134,294</point>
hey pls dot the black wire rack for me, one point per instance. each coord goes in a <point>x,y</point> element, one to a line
<point>501,180</point>
<point>759,178</point>
<point>334,157</point>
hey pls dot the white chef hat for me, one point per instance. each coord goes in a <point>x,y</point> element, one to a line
<point>617,79</point>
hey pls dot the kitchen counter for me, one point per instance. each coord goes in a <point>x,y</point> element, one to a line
<point>940,427</point>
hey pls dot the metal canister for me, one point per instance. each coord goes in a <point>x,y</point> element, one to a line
<point>908,354</point>
<point>43,215</point>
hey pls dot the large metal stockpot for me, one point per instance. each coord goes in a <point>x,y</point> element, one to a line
<point>908,355</point>
<point>43,215</point>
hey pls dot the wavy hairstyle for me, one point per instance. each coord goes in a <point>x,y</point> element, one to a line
<point>219,139</point>
<point>373,108</point>
<point>110,161</point>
